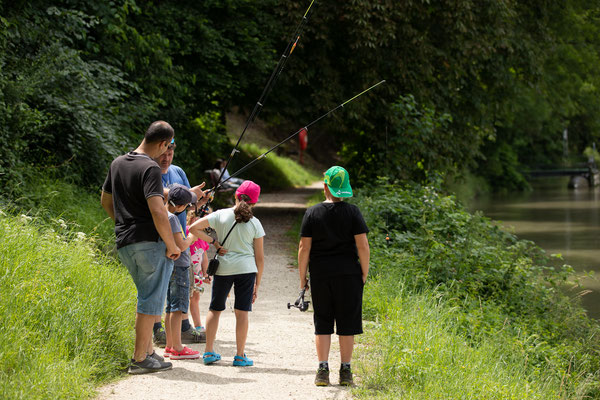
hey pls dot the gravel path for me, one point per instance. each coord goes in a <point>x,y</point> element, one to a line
<point>280,341</point>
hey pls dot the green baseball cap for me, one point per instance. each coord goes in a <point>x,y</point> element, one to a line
<point>338,182</point>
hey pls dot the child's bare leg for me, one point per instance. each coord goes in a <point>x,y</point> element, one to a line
<point>168,331</point>
<point>212,324</point>
<point>323,343</point>
<point>195,308</point>
<point>346,348</point>
<point>241,331</point>
<point>175,327</point>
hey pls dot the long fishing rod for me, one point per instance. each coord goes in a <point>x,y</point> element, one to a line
<point>251,163</point>
<point>269,86</point>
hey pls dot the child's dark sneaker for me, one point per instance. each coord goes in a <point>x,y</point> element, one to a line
<point>322,378</point>
<point>346,377</point>
<point>147,366</point>
<point>157,357</point>
<point>193,336</point>
<point>160,338</point>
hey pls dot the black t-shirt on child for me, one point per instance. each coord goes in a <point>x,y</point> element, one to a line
<point>332,227</point>
<point>131,180</point>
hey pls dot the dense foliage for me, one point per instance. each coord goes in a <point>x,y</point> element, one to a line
<point>495,287</point>
<point>511,74</point>
<point>80,81</point>
<point>497,82</point>
<point>488,86</point>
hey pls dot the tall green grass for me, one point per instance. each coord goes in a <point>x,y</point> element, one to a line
<point>67,312</point>
<point>52,200</point>
<point>462,310</point>
<point>417,350</point>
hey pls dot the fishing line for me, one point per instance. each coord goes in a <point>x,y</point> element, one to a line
<point>387,215</point>
<point>251,163</point>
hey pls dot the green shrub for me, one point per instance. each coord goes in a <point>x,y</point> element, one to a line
<point>67,313</point>
<point>498,287</point>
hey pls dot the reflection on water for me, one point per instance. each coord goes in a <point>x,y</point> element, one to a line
<point>559,220</point>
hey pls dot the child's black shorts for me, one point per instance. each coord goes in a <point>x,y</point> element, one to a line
<point>243,288</point>
<point>337,298</point>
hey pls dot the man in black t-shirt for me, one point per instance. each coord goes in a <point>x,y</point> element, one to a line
<point>132,195</point>
<point>334,247</point>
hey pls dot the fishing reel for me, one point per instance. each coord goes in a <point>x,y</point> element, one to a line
<point>300,303</point>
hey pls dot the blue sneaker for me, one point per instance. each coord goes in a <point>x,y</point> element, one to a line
<point>242,361</point>
<point>209,357</point>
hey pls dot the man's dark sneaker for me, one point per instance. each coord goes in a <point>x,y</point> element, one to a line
<point>346,377</point>
<point>157,357</point>
<point>193,336</point>
<point>160,338</point>
<point>165,365</point>
<point>322,378</point>
<point>147,366</point>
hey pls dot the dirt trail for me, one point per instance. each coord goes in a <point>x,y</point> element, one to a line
<point>280,341</point>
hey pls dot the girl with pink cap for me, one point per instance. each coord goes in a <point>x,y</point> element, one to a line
<point>240,266</point>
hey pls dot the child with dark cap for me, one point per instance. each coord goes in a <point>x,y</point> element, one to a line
<point>334,246</point>
<point>180,197</point>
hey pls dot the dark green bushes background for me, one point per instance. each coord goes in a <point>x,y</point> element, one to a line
<point>80,81</point>
<point>485,86</point>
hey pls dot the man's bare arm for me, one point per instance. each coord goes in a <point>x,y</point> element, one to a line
<point>107,203</point>
<point>161,222</point>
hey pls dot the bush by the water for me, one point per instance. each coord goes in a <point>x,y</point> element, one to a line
<point>462,309</point>
<point>67,311</point>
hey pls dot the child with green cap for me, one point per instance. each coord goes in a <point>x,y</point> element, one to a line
<point>334,248</point>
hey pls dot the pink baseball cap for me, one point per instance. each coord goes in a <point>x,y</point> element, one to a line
<point>250,189</point>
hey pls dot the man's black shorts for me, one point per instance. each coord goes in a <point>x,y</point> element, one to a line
<point>243,288</point>
<point>337,298</point>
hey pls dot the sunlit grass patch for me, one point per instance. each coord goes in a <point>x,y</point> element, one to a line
<point>53,199</point>
<point>417,352</point>
<point>67,313</point>
<point>273,172</point>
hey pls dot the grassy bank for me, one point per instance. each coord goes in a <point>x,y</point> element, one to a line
<point>52,200</point>
<point>419,351</point>
<point>68,307</point>
<point>273,172</point>
<point>461,309</point>
<point>67,311</point>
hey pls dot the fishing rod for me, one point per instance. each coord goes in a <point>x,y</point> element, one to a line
<point>251,163</point>
<point>270,84</point>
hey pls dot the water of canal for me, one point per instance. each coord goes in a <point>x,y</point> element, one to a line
<point>559,220</point>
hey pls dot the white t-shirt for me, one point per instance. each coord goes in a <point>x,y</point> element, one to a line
<point>240,243</point>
